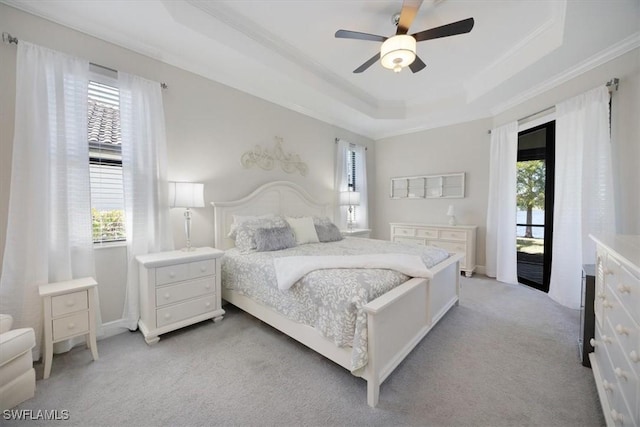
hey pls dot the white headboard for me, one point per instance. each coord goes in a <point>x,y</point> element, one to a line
<point>279,197</point>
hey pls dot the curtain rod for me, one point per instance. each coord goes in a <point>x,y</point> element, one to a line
<point>612,85</point>
<point>338,140</point>
<point>9,39</point>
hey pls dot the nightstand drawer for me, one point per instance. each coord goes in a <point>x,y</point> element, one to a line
<point>70,326</point>
<point>202,268</point>
<point>69,303</point>
<point>171,274</point>
<point>185,310</point>
<point>183,291</point>
<point>453,235</point>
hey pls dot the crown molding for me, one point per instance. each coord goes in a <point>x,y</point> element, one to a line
<point>618,49</point>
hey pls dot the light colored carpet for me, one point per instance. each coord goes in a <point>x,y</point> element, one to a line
<point>506,356</point>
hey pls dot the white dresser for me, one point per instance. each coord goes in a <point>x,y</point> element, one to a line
<point>616,357</point>
<point>459,239</point>
<point>177,289</point>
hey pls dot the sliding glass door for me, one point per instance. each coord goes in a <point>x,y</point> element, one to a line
<point>534,231</point>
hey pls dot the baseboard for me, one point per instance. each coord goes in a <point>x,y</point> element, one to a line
<point>111,329</point>
<point>481,269</point>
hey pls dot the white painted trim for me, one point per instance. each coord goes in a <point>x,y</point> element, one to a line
<point>602,57</point>
<point>111,329</point>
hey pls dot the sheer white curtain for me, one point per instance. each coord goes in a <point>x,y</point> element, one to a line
<point>501,212</point>
<point>144,167</point>
<point>341,184</point>
<point>362,211</point>
<point>583,202</point>
<point>49,226</point>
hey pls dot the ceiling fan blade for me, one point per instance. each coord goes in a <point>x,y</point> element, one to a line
<point>417,65</point>
<point>368,64</point>
<point>346,34</point>
<point>407,15</point>
<point>452,29</point>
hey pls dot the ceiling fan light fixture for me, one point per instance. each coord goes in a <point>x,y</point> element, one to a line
<point>398,52</point>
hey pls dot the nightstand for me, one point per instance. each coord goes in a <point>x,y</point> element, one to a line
<point>69,311</point>
<point>177,289</point>
<point>357,232</point>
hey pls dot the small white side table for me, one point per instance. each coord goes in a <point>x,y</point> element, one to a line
<point>69,311</point>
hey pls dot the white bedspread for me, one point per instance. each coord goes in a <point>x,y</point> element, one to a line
<point>293,268</point>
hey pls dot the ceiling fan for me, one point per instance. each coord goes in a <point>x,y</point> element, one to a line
<point>399,50</point>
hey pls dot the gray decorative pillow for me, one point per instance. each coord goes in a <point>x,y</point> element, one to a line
<point>245,232</point>
<point>328,232</point>
<point>274,239</point>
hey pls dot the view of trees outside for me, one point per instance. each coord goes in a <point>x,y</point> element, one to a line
<point>530,201</point>
<point>108,225</point>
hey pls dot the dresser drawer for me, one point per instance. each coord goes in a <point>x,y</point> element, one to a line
<point>623,328</point>
<point>71,325</point>
<point>171,274</point>
<point>427,232</point>
<point>451,247</point>
<point>404,231</point>
<point>202,268</point>
<point>627,289</point>
<point>184,291</point>
<point>69,303</point>
<point>453,235</point>
<point>185,310</point>
<point>409,240</point>
<point>625,376</point>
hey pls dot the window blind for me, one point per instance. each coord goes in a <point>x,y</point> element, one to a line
<point>105,163</point>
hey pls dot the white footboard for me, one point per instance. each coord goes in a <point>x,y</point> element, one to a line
<point>398,320</point>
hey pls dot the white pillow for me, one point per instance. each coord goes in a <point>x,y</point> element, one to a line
<point>304,229</point>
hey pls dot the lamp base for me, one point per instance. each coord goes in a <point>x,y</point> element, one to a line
<point>188,249</point>
<point>452,220</point>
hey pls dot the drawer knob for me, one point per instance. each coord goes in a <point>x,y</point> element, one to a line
<point>207,304</point>
<point>606,339</point>
<point>70,303</point>
<point>620,373</point>
<point>617,416</point>
<point>167,295</point>
<point>607,304</point>
<point>207,286</point>
<point>634,356</point>
<point>71,325</point>
<point>607,385</point>
<point>203,269</point>
<point>167,316</point>
<point>608,271</point>
<point>622,330</point>
<point>601,295</point>
<point>172,274</point>
<point>624,289</point>
<point>593,342</point>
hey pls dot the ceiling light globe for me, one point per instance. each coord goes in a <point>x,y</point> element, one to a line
<point>398,52</point>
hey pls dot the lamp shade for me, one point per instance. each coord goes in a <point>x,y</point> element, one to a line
<point>398,52</point>
<point>349,198</point>
<point>450,211</point>
<point>186,195</point>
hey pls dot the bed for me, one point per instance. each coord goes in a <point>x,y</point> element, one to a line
<point>395,322</point>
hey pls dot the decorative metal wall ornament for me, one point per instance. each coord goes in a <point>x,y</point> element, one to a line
<point>266,159</point>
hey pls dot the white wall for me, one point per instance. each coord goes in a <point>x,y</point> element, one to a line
<point>464,148</point>
<point>458,148</point>
<point>209,126</point>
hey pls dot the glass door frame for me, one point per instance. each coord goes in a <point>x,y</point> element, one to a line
<point>548,155</point>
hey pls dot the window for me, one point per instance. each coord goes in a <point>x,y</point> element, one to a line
<point>105,163</point>
<point>351,180</point>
